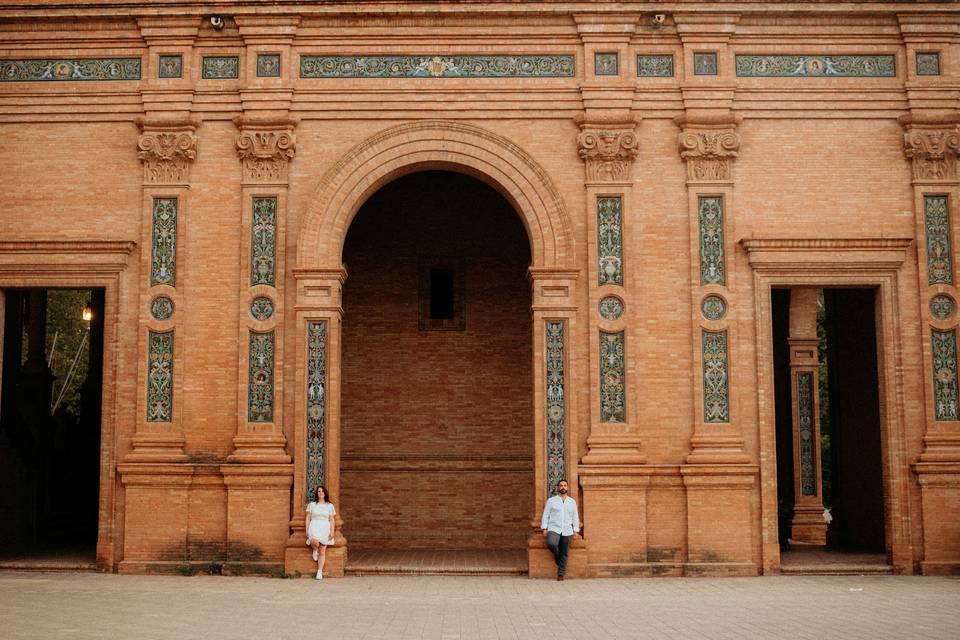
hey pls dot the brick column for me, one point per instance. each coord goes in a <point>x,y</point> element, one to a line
<point>319,309</point>
<point>932,143</point>
<point>167,149</point>
<point>808,524</point>
<point>720,482</point>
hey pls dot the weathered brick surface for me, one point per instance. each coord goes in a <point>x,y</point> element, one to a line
<point>433,428</point>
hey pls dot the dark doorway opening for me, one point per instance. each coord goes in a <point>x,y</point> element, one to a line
<point>436,403</point>
<point>50,411</point>
<point>847,410</point>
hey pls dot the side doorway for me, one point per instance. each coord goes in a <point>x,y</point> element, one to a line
<point>830,485</point>
<point>50,426</point>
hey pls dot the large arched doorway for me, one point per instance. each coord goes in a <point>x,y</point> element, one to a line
<point>437,426</point>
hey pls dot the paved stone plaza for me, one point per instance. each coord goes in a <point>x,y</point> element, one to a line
<point>88,605</point>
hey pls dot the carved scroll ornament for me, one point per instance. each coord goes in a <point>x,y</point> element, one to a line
<point>709,154</point>
<point>265,154</point>
<point>608,154</point>
<point>167,155</point>
<point>934,153</point>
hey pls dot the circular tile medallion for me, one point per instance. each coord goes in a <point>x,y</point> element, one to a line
<point>611,308</point>
<point>261,308</point>
<point>713,307</point>
<point>942,307</point>
<point>161,308</point>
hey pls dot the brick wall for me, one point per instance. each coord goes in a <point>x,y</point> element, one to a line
<point>437,425</point>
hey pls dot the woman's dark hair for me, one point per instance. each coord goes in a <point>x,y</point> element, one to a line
<point>326,494</point>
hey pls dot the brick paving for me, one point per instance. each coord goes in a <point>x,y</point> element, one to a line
<point>84,605</point>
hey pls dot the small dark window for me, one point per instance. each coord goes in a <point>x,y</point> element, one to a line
<point>441,294</point>
<point>442,284</point>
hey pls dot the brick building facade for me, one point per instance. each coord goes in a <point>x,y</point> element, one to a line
<point>439,255</point>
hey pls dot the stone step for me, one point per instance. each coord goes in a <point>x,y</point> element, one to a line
<point>433,571</point>
<point>835,569</point>
<point>46,565</point>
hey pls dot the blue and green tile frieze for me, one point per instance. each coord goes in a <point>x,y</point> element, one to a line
<point>788,66</point>
<point>260,385</point>
<point>441,66</point>
<point>655,66</point>
<point>936,223</point>
<point>67,69</point>
<point>160,376</point>
<point>712,260</point>
<point>808,471</point>
<point>556,404</point>
<point>220,68</point>
<point>316,403</point>
<point>610,240</point>
<point>716,388</point>
<point>263,242</point>
<point>163,262</point>
<point>613,388</point>
<point>944,345</point>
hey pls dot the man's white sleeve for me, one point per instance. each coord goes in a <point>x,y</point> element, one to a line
<point>546,513</point>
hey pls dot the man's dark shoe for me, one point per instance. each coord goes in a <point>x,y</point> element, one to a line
<point>559,577</point>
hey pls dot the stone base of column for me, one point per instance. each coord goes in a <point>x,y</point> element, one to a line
<point>258,512</point>
<point>720,540</point>
<point>614,511</point>
<point>613,449</point>
<point>540,562</point>
<point>155,522</point>
<point>808,525</point>
<point>940,497</point>
<point>156,448</point>
<point>717,449</point>
<point>253,448</point>
<point>298,558</point>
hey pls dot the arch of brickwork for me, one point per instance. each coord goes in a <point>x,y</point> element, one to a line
<point>421,146</point>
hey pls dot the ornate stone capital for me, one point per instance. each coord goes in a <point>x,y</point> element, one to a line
<point>933,152</point>
<point>167,149</point>
<point>266,148</point>
<point>709,153</point>
<point>609,153</point>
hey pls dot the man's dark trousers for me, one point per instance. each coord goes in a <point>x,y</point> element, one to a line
<point>559,545</point>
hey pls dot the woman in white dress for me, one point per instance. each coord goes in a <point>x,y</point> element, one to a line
<point>320,526</point>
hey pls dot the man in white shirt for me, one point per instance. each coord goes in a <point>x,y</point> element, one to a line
<point>560,524</point>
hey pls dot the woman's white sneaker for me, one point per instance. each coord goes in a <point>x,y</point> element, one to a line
<point>320,575</point>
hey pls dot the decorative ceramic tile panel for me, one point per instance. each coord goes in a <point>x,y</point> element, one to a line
<point>613,389</point>
<point>163,264</point>
<point>650,66</point>
<point>716,393</point>
<point>170,66</point>
<point>712,261</point>
<point>936,222</point>
<point>942,307</point>
<point>160,376</point>
<point>928,64</point>
<point>610,240</point>
<point>161,308</point>
<point>316,403</point>
<point>606,64</point>
<point>944,345</point>
<point>263,242</point>
<point>801,66</point>
<point>705,64</point>
<point>611,308</point>
<point>556,405</point>
<point>268,65</point>
<point>65,69</point>
<point>221,67</point>
<point>713,307</point>
<point>808,473</point>
<point>503,66</point>
<point>260,386</point>
<point>261,308</point>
